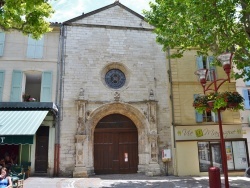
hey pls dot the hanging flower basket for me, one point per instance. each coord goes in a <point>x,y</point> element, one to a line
<point>201,104</point>
<point>221,101</point>
<point>222,108</point>
<point>231,105</point>
<point>210,103</point>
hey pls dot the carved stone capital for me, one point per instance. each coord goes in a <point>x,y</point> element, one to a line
<point>80,138</point>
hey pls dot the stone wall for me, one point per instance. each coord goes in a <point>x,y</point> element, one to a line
<point>90,51</point>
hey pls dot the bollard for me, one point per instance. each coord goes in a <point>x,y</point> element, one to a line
<point>214,177</point>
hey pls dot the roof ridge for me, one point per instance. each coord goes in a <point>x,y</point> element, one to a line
<point>117,2</point>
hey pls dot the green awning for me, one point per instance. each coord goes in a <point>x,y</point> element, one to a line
<point>17,123</point>
<point>23,139</point>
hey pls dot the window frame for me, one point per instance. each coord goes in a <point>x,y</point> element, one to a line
<point>230,152</point>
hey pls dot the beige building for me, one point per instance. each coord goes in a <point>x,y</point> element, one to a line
<point>243,87</point>
<point>115,102</point>
<point>28,90</point>
<point>197,140</point>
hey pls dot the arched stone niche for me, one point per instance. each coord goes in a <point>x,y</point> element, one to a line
<point>143,127</point>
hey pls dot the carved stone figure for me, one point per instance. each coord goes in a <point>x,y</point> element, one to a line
<point>81,94</point>
<point>151,95</point>
<point>116,96</point>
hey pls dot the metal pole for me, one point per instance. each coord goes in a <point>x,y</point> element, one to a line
<point>223,151</point>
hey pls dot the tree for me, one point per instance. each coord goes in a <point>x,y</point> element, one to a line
<point>27,16</point>
<point>214,26</point>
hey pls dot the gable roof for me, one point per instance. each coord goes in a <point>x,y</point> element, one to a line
<point>116,3</point>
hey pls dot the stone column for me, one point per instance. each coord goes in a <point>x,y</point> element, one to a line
<point>82,168</point>
<point>153,166</point>
<point>81,116</point>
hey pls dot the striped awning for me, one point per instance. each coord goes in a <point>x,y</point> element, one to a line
<point>20,122</point>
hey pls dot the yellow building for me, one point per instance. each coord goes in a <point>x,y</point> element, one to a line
<point>196,136</point>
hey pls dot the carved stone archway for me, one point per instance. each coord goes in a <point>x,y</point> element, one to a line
<point>146,126</point>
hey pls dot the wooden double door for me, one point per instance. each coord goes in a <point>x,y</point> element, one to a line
<point>115,146</point>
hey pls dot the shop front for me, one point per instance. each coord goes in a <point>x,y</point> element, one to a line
<point>27,134</point>
<point>198,148</point>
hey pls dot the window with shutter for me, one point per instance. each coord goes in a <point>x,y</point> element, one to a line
<point>204,62</point>
<point>247,82</point>
<point>246,96</point>
<point>1,84</point>
<point>16,86</point>
<point>46,89</point>
<point>206,116</point>
<point>35,48</point>
<point>2,41</point>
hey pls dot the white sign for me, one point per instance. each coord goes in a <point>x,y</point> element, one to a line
<point>207,132</point>
<point>2,139</point>
<point>166,154</point>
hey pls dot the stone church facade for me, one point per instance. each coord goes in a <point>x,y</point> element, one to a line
<point>116,115</point>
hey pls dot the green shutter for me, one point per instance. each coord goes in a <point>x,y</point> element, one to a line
<point>16,86</point>
<point>198,116</point>
<point>39,48</point>
<point>214,117</point>
<point>2,41</point>
<point>1,84</point>
<point>46,90</point>
<point>211,67</point>
<point>35,48</point>
<point>31,48</point>
<point>247,98</point>
<point>199,62</point>
<point>247,82</point>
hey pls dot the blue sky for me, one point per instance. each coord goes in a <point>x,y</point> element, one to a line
<point>67,9</point>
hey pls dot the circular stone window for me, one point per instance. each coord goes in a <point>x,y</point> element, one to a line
<point>115,78</point>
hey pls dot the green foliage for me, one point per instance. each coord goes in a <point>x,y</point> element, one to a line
<point>213,26</point>
<point>27,16</point>
<point>220,100</point>
<point>200,104</point>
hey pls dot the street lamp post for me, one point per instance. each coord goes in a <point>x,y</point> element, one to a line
<point>226,61</point>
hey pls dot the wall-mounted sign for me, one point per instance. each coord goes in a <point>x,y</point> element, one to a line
<point>126,157</point>
<point>166,155</point>
<point>207,132</point>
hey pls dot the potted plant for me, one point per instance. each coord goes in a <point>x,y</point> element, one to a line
<point>211,97</point>
<point>220,102</point>
<point>31,99</point>
<point>234,100</point>
<point>200,104</point>
<point>26,97</point>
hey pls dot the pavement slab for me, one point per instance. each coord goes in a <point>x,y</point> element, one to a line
<point>131,181</point>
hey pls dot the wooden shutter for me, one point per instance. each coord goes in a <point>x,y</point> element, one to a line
<point>16,86</point>
<point>198,116</point>
<point>39,48</point>
<point>2,41</point>
<point>46,90</point>
<point>31,47</point>
<point>214,116</point>
<point>246,97</point>
<point>1,84</point>
<point>247,82</point>
<point>212,69</point>
<point>199,62</point>
<point>35,48</point>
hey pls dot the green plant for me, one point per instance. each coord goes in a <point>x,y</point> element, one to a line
<point>230,100</point>
<point>220,102</point>
<point>233,97</point>
<point>200,104</point>
<point>212,96</point>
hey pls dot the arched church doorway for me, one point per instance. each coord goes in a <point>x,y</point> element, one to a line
<point>115,145</point>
